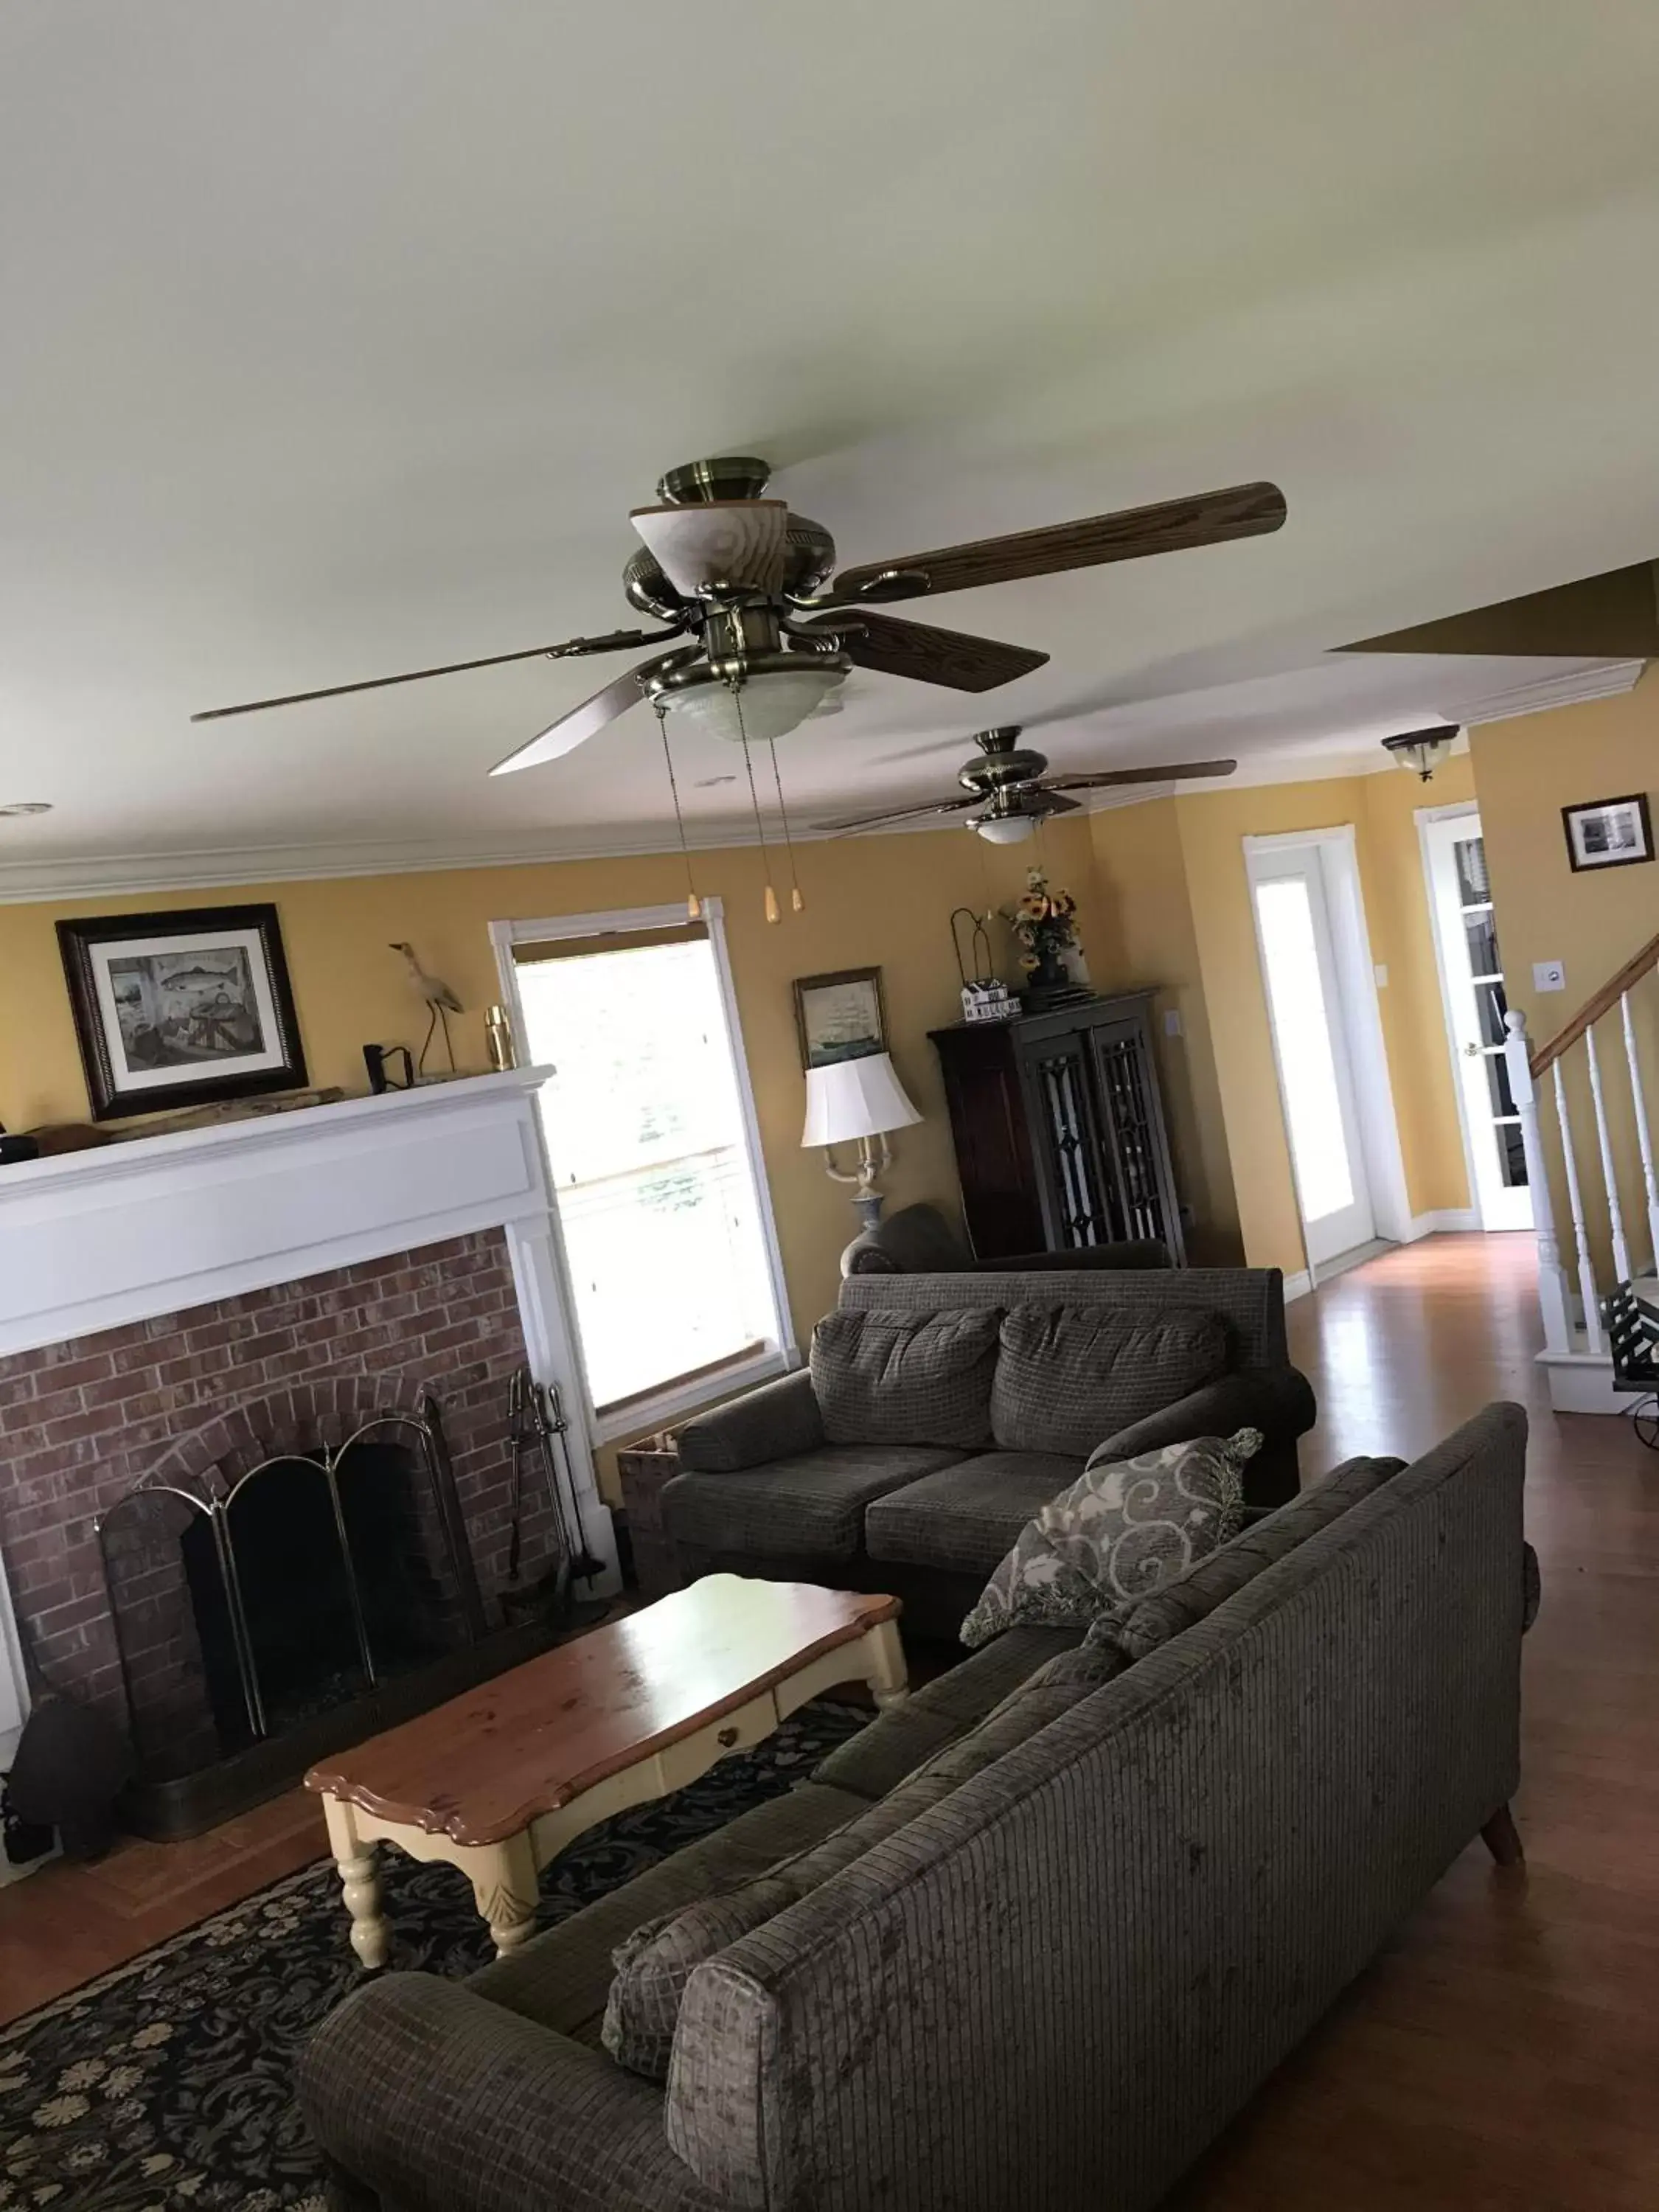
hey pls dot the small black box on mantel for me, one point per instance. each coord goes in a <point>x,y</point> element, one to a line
<point>642,1468</point>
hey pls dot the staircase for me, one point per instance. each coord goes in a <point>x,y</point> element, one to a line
<point>1595,1056</point>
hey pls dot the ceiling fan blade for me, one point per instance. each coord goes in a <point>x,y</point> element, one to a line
<point>722,541</point>
<point>1242,511</point>
<point>616,641</point>
<point>1178,772</point>
<point>1056,802</point>
<point>950,657</point>
<point>899,814</point>
<point>580,724</point>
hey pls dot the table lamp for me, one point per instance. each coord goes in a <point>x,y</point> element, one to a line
<point>862,1100</point>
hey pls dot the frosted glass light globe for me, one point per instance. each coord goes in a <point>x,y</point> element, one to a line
<point>1006,828</point>
<point>775,702</point>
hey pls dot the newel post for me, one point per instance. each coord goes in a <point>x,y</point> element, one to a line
<point>1553,1296</point>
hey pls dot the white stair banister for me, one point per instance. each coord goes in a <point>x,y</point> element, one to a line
<point>1621,1267</point>
<point>1552,1292</point>
<point>1638,1100</point>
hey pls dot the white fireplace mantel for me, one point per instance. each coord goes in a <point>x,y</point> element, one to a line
<point>92,1240</point>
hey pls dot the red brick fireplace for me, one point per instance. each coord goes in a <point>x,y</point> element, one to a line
<point>171,1409</point>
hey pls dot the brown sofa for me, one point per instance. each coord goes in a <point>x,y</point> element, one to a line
<point>764,1490</point>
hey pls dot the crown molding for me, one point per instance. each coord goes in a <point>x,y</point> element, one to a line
<point>1609,679</point>
<point>26,883</point>
<point>119,875</point>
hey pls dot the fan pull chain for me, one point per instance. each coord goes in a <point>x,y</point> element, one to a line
<point>772,911</point>
<point>797,902</point>
<point>693,904</point>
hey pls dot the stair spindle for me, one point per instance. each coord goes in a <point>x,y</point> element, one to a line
<point>1609,1172</point>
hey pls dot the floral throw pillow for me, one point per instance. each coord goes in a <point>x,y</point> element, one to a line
<point>1124,1528</point>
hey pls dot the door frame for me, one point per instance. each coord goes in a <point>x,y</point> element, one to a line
<point>1426,818</point>
<point>1361,1018</point>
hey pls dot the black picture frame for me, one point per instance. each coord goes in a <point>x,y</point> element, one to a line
<point>1574,824</point>
<point>863,986</point>
<point>244,994</point>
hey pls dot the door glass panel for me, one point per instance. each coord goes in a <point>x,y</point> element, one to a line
<point>1497,1081</point>
<point>1486,967</point>
<point>1512,1155</point>
<point>1296,992</point>
<point>1482,944</point>
<point>1473,887</point>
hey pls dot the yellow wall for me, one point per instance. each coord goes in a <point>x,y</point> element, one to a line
<point>1525,771</point>
<point>1170,875</point>
<point>874,901</point>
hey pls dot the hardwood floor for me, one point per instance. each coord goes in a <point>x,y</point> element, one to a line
<point>1504,2052</point>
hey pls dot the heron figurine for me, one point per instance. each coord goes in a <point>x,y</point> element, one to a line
<point>439,1001</point>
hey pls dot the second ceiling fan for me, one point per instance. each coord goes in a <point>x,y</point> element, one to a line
<point>768,639</point>
<point>1011,786</point>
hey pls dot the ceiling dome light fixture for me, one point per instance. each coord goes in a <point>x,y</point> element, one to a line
<point>1422,750</point>
<point>27,807</point>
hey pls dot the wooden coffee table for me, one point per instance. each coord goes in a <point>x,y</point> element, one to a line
<point>497,1782</point>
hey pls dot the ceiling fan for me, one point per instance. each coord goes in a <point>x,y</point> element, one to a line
<point>1011,784</point>
<point>742,581</point>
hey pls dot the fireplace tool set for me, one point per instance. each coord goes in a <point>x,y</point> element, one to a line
<point>536,1417</point>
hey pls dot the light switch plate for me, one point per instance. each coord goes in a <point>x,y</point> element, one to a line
<point>1548,976</point>
<point>1380,975</point>
<point>1172,1021</point>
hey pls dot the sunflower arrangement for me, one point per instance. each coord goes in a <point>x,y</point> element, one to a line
<point>1044,922</point>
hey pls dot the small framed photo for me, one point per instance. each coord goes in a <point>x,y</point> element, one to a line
<point>183,1009</point>
<point>1609,833</point>
<point>839,1017</point>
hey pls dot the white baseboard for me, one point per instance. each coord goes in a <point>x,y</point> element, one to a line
<point>1298,1285</point>
<point>1582,1383</point>
<point>1443,1221</point>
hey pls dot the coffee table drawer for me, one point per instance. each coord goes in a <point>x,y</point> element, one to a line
<point>693,1755</point>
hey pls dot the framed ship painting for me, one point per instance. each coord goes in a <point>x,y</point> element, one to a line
<point>182,1009</point>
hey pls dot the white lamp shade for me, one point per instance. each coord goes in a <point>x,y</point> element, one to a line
<point>855,1099</point>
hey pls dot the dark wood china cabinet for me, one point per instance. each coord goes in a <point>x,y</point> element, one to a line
<point>1059,1128</point>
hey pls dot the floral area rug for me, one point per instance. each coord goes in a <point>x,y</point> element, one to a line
<point>168,2086</point>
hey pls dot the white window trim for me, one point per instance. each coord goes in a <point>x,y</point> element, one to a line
<point>675,1399</point>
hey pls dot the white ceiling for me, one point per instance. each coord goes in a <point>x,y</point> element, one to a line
<point>339,340</point>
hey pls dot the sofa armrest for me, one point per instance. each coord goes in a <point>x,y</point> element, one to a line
<point>1278,1400</point>
<point>439,2100</point>
<point>774,1422</point>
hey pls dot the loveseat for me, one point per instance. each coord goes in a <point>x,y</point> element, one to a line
<point>1053,1919</point>
<point>1023,1376</point>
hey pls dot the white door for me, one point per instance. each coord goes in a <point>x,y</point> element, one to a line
<point>1315,1064</point>
<point>1472,980</point>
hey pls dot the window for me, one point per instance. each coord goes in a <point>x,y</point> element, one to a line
<point>650,1137</point>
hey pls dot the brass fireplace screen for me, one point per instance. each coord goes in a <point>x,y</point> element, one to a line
<point>243,1607</point>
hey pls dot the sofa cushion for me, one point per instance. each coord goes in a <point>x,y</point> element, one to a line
<point>1067,1375</point>
<point>655,1962</point>
<point>561,1978</point>
<point>964,1517</point>
<point>1212,1579</point>
<point>905,1378</point>
<point>1123,1529</point>
<point>898,1741</point>
<point>811,1506</point>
